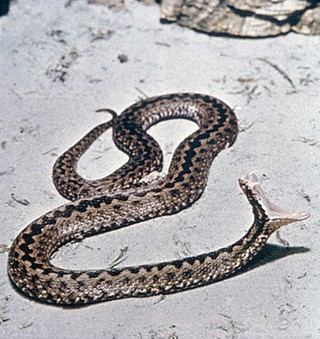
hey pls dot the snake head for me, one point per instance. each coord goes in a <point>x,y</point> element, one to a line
<point>264,209</point>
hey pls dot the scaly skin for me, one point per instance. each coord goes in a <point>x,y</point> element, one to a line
<point>121,199</point>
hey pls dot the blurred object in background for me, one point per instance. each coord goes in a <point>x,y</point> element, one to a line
<point>245,18</point>
<point>4,7</point>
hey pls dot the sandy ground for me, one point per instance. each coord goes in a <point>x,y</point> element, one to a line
<point>59,64</point>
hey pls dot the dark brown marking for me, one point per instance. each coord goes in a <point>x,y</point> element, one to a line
<point>187,274</point>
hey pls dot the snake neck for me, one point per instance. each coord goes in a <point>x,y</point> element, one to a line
<point>268,218</point>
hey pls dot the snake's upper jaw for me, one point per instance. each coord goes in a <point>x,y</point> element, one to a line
<point>265,208</point>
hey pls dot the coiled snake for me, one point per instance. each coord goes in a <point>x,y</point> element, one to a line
<point>123,198</point>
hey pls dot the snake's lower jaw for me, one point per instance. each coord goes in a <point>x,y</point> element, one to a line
<point>278,216</point>
<point>277,222</point>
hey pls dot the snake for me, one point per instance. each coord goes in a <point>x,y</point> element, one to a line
<point>124,198</point>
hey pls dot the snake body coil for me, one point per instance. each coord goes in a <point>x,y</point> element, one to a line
<point>122,199</point>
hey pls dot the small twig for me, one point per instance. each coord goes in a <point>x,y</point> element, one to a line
<point>303,275</point>
<point>23,202</point>
<point>279,70</point>
<point>288,282</point>
<point>282,241</point>
<point>159,43</point>
<point>120,258</point>
<point>50,150</point>
<point>25,325</point>
<point>141,92</point>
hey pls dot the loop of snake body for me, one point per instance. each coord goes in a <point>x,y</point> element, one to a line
<point>122,199</point>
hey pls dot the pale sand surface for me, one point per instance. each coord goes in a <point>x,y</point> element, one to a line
<point>59,64</point>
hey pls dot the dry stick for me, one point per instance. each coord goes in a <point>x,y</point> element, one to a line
<point>120,258</point>
<point>278,69</point>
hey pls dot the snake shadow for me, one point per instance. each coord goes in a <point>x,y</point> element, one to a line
<point>269,254</point>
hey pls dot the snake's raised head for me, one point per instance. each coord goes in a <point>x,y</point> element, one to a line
<point>264,209</point>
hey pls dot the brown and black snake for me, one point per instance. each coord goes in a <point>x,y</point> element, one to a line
<point>123,199</point>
